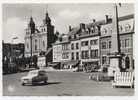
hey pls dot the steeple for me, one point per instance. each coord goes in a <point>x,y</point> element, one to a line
<point>47,20</point>
<point>32,25</point>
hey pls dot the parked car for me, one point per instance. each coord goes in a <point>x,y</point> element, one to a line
<point>35,76</point>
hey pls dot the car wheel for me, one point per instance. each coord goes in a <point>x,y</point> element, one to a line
<point>23,83</point>
<point>45,82</point>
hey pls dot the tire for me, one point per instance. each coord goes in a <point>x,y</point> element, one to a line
<point>45,82</point>
<point>23,84</point>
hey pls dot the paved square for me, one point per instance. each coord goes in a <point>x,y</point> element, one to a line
<point>62,84</point>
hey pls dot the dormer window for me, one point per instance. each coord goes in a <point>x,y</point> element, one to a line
<point>120,28</point>
<point>92,30</point>
<point>96,29</point>
<point>104,31</point>
<point>127,27</point>
<point>74,36</point>
<point>87,30</point>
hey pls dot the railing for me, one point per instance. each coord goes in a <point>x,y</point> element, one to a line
<point>123,79</point>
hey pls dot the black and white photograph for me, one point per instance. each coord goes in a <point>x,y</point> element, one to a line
<point>68,49</point>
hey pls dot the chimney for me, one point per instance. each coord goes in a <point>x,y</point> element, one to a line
<point>106,18</point>
<point>82,26</point>
<point>94,20</point>
<point>70,28</point>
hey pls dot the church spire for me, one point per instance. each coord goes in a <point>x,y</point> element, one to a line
<point>47,20</point>
<point>32,25</point>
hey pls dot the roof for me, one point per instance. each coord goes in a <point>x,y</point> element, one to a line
<point>74,31</point>
<point>130,16</point>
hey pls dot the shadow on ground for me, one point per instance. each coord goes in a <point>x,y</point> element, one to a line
<point>42,84</point>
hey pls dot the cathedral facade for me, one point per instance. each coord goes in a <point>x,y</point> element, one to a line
<point>38,40</point>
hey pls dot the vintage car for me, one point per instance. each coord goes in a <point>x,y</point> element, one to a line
<point>35,76</point>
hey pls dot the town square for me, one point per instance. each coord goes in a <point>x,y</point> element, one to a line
<point>68,49</point>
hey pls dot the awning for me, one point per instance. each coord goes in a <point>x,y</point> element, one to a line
<point>70,62</point>
<point>52,64</point>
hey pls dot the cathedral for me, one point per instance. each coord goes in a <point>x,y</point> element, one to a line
<point>38,40</point>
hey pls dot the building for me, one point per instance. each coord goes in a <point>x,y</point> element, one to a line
<point>11,52</point>
<point>57,51</point>
<point>126,31</point>
<point>91,44</point>
<point>39,39</point>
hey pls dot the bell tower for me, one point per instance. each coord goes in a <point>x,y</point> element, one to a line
<point>49,30</point>
<point>47,20</point>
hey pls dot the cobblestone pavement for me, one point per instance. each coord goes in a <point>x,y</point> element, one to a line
<point>62,84</point>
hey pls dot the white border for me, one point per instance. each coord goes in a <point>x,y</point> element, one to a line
<point>72,97</point>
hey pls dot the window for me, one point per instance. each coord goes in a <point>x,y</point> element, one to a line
<point>44,44</point>
<point>27,46</point>
<point>65,47</point>
<point>126,42</point>
<point>94,42</point>
<point>85,54</point>
<point>104,60</point>
<point>77,55</point>
<point>84,43</point>
<point>92,30</point>
<point>72,46</point>
<point>120,28</point>
<point>103,45</point>
<point>121,43</point>
<point>35,45</point>
<point>96,29</point>
<point>77,45</point>
<point>72,56</point>
<point>109,44</point>
<point>104,31</point>
<point>127,27</point>
<point>94,53</point>
<point>65,55</point>
<point>74,36</point>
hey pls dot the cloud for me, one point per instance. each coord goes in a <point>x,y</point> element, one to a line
<point>14,27</point>
<point>69,14</point>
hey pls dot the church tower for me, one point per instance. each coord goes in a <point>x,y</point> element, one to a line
<point>32,25</point>
<point>50,30</point>
<point>39,39</point>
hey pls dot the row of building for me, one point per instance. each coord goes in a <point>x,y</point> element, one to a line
<point>90,44</point>
<point>85,44</point>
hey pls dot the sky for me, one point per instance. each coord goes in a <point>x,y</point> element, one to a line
<point>16,16</point>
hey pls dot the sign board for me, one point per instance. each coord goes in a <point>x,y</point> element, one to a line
<point>41,62</point>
